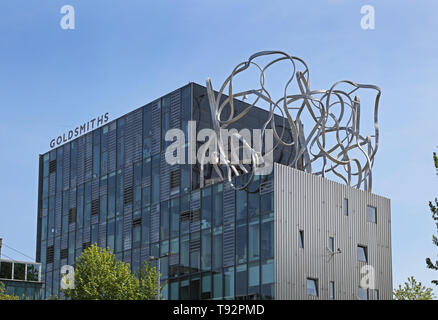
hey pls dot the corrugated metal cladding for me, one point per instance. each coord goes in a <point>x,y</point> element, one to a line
<point>315,205</point>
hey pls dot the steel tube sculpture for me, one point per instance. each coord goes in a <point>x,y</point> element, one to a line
<point>333,145</point>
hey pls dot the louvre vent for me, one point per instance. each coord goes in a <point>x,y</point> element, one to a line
<point>266,187</point>
<point>184,216</point>
<point>175,178</point>
<point>50,253</point>
<point>85,245</point>
<point>136,221</point>
<point>195,215</point>
<point>52,166</point>
<point>128,195</point>
<point>71,215</point>
<point>64,254</point>
<point>95,207</point>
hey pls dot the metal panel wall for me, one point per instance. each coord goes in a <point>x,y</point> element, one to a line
<point>315,205</point>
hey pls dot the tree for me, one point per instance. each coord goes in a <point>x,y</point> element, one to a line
<point>413,290</point>
<point>3,295</point>
<point>98,275</point>
<point>434,210</point>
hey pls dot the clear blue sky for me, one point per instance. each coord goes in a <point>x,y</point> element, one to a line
<point>124,54</point>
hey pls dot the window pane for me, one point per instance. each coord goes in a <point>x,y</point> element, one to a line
<point>312,287</point>
<point>371,214</point>
<point>301,238</point>
<point>362,253</point>
<point>229,283</point>
<point>217,285</point>
<point>254,240</point>
<point>362,294</point>
<point>332,290</point>
<point>332,244</point>
<point>345,206</point>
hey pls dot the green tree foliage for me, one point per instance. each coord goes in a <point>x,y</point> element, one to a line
<point>100,276</point>
<point>413,290</point>
<point>3,295</point>
<point>434,210</point>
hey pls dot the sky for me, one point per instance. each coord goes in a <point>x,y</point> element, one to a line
<point>123,54</point>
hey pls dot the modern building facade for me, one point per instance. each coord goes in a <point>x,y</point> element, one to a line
<point>21,279</point>
<point>113,186</point>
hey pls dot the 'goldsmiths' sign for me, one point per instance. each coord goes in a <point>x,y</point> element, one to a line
<point>90,125</point>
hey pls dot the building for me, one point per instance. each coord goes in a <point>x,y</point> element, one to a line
<point>22,279</point>
<point>278,239</point>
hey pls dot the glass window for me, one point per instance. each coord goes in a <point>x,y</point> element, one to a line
<point>156,178</point>
<point>217,204</point>
<point>5,270</point>
<point>111,195</point>
<point>145,225</point>
<point>136,235</point>
<point>268,272</point>
<point>174,217</point>
<point>217,248</point>
<point>253,203</point>
<point>19,271</point>
<point>376,294</point>
<point>184,254</point>
<point>32,272</point>
<point>119,193</point>
<point>164,220</point>
<point>206,250</point>
<point>301,238</point>
<point>312,287</point>
<point>267,235</point>
<point>345,207</point>
<point>217,285</point>
<point>119,234</point>
<point>372,214</point>
<point>332,244</point>
<point>267,203</point>
<point>173,290</point>
<point>184,289</point>
<point>195,287</point>
<point>241,280</point>
<point>241,242</point>
<point>362,293</point>
<point>254,240</point>
<point>206,286</point>
<point>206,208</point>
<point>362,254</point>
<point>332,290</point>
<point>229,283</point>
<point>254,279</point>
<point>241,205</point>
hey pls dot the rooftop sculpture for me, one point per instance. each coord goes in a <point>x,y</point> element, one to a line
<point>334,144</point>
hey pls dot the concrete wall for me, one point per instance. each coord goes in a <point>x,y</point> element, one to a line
<point>315,205</point>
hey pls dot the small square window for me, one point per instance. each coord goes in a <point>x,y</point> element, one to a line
<point>345,207</point>
<point>301,238</point>
<point>362,294</point>
<point>332,290</point>
<point>332,244</point>
<point>372,214</point>
<point>362,254</point>
<point>312,287</point>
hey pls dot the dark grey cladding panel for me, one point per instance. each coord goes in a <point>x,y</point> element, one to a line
<point>229,203</point>
<point>229,235</point>
<point>102,235</point>
<point>66,167</point>
<point>52,184</point>
<point>95,189</point>
<point>175,109</point>
<point>156,128</point>
<point>72,198</point>
<point>155,223</point>
<point>79,238</point>
<point>112,147</point>
<point>103,187</point>
<point>72,228</point>
<point>144,253</point>
<point>164,178</point>
<point>134,136</point>
<point>86,234</point>
<point>88,157</point>
<point>58,212</point>
<point>128,175</point>
<point>80,160</point>
<point>127,229</point>
<point>64,241</point>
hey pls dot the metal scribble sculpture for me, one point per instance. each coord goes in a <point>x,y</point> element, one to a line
<point>334,144</point>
